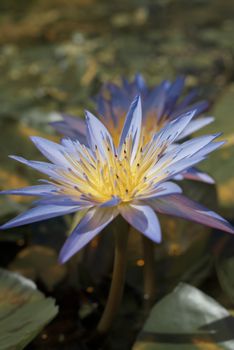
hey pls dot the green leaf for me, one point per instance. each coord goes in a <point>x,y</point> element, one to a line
<point>39,263</point>
<point>187,319</point>
<point>24,311</point>
<point>225,272</point>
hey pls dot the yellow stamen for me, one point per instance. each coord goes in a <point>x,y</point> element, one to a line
<point>99,177</point>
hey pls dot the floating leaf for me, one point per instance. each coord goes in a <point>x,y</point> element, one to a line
<point>24,311</point>
<point>187,319</point>
<point>39,262</point>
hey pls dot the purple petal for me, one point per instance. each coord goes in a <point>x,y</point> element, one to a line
<point>51,150</point>
<point>132,126</point>
<point>194,147</point>
<point>200,107</point>
<point>71,146</point>
<point>162,189</point>
<point>183,156</point>
<point>155,101</point>
<point>172,130</point>
<point>97,134</point>
<point>181,206</point>
<point>142,218</point>
<point>106,111</point>
<point>125,84</point>
<point>76,123</point>
<point>140,83</point>
<point>111,203</point>
<point>63,200</point>
<point>210,148</point>
<point>39,213</point>
<point>173,94</point>
<point>43,167</point>
<point>72,127</point>
<point>195,125</point>
<point>197,175</point>
<point>187,100</point>
<point>89,226</point>
<point>39,190</point>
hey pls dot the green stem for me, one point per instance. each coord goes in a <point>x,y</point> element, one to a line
<point>117,283</point>
<point>149,269</point>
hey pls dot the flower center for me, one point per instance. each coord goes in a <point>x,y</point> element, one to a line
<point>100,176</point>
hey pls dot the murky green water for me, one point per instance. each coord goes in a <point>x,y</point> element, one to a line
<point>55,54</point>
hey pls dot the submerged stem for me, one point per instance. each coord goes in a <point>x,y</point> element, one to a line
<point>117,282</point>
<point>149,269</point>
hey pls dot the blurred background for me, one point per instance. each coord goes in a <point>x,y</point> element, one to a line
<point>54,56</point>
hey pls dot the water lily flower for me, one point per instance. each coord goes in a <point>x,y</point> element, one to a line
<point>160,105</point>
<point>132,179</point>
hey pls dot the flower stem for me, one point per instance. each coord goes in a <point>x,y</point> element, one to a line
<point>149,270</point>
<point>117,282</point>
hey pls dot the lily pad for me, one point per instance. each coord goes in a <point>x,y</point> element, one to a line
<point>187,319</point>
<point>39,263</point>
<point>24,311</point>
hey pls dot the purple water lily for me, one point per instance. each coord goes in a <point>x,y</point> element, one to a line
<point>132,179</point>
<point>160,105</point>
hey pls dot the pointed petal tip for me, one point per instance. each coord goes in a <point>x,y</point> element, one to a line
<point>231,230</point>
<point>207,119</point>
<point>158,240</point>
<point>209,180</point>
<point>62,259</point>
<point>4,192</point>
<point>90,118</point>
<point>137,105</point>
<point>7,192</point>
<point>37,139</point>
<point>12,156</point>
<point>10,224</point>
<point>192,113</point>
<point>227,228</point>
<point>183,207</point>
<point>5,226</point>
<point>34,138</point>
<point>18,158</point>
<point>88,114</point>
<point>138,99</point>
<point>217,134</point>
